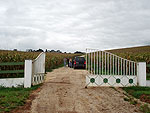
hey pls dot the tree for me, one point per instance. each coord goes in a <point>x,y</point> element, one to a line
<point>39,50</point>
<point>15,50</point>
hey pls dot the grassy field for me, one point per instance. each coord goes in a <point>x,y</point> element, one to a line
<point>139,92</point>
<point>142,93</point>
<point>138,54</point>
<point>11,98</point>
<point>53,60</point>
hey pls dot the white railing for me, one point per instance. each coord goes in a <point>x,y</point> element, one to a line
<point>38,69</point>
<point>105,63</point>
<point>34,71</point>
<point>107,69</point>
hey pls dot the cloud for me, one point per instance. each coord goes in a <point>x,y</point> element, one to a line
<point>74,24</point>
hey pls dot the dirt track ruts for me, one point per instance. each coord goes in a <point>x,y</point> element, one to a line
<point>64,92</point>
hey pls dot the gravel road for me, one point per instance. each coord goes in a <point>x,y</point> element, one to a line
<point>64,92</point>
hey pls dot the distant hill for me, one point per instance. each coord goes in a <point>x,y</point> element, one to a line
<point>132,50</point>
<point>138,54</point>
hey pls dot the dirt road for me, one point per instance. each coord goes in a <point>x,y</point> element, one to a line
<point>64,92</point>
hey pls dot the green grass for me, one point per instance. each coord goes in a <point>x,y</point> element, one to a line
<point>144,108</point>
<point>11,98</point>
<point>137,91</point>
<point>142,93</point>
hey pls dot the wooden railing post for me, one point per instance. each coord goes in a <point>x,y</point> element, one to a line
<point>28,74</point>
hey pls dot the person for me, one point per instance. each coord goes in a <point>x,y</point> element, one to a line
<point>70,63</point>
<point>65,62</point>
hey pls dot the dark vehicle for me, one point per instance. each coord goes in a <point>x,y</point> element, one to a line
<point>79,62</point>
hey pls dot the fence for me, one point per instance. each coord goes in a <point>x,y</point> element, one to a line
<point>38,71</point>
<point>11,64</point>
<point>34,72</point>
<point>11,81</point>
<point>107,69</point>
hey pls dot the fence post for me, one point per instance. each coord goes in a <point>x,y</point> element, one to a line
<point>28,74</point>
<point>141,74</point>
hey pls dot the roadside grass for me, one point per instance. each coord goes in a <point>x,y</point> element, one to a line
<point>145,108</point>
<point>11,98</point>
<point>137,91</point>
<point>142,93</point>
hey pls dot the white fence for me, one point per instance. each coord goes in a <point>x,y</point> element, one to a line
<point>107,69</point>
<point>11,82</point>
<point>35,71</point>
<point>33,74</point>
<point>38,70</point>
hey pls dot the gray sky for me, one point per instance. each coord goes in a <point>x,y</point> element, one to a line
<point>71,25</point>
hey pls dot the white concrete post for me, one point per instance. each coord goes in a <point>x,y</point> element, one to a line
<point>141,73</point>
<point>28,74</point>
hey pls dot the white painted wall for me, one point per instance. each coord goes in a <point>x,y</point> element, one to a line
<point>111,80</point>
<point>35,69</point>
<point>141,74</point>
<point>28,74</point>
<point>11,82</point>
<point>147,82</point>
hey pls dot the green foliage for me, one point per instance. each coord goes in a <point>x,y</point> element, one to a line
<point>148,76</point>
<point>142,93</point>
<point>134,102</point>
<point>136,88</point>
<point>11,98</point>
<point>144,108</point>
<point>131,100</point>
<point>138,54</point>
<point>138,92</point>
<point>126,99</point>
<point>53,60</point>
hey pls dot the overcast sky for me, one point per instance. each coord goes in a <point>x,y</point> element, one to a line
<point>71,25</point>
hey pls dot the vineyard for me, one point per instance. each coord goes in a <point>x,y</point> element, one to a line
<point>53,60</point>
<point>138,54</point>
